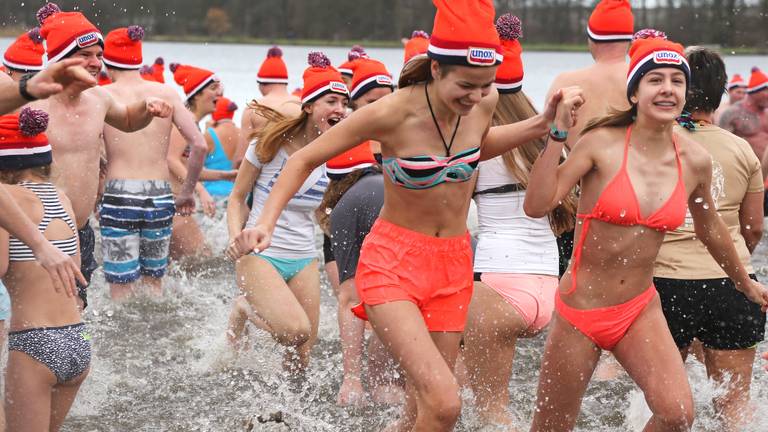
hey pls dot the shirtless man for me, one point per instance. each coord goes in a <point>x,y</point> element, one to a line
<point>77,117</point>
<point>737,90</point>
<point>273,85</point>
<point>136,243</point>
<point>748,118</point>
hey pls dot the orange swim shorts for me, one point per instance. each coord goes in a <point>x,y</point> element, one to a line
<point>434,273</point>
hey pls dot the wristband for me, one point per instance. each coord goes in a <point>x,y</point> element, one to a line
<point>23,87</point>
<point>556,134</point>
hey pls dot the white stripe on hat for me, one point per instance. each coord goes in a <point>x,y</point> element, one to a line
<point>271,80</point>
<point>648,58</point>
<point>757,88</point>
<point>19,66</point>
<point>25,151</point>
<point>458,52</point>
<point>119,65</point>
<point>616,37</point>
<point>205,82</point>
<point>322,89</point>
<point>63,53</point>
<point>363,83</point>
<point>509,86</point>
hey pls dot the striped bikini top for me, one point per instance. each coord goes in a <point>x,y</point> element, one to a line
<point>424,172</point>
<point>52,209</point>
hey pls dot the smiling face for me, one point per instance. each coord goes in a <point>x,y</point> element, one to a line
<point>660,95</point>
<point>460,88</point>
<point>328,110</point>
<point>91,57</point>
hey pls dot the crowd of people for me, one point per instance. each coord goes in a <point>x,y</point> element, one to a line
<point>621,218</point>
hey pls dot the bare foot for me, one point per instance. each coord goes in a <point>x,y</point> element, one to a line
<point>388,395</point>
<point>351,393</point>
<point>237,318</point>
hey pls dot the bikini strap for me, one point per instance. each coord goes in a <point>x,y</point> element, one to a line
<point>677,159</point>
<point>626,148</point>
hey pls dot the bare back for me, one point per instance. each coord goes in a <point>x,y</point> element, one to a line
<point>604,86</point>
<point>139,155</point>
<point>746,123</point>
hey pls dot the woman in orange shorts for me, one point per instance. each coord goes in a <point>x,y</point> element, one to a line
<point>636,178</point>
<point>414,276</point>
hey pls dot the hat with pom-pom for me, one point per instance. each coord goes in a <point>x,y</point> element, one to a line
<point>320,78</point>
<point>191,78</point>
<point>225,109</point>
<point>757,81</point>
<point>122,48</point>
<point>464,34</point>
<point>611,21</point>
<point>369,74</point>
<point>147,72</point>
<point>66,32</point>
<point>509,76</point>
<point>26,52</point>
<point>417,45</point>
<point>158,70</point>
<point>104,78</point>
<point>348,67</point>
<point>652,53</point>
<point>22,141</point>
<point>356,158</point>
<point>296,92</point>
<point>737,81</point>
<point>273,69</point>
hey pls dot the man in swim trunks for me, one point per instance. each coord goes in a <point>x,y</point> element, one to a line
<point>273,85</point>
<point>749,118</point>
<point>138,206</point>
<point>77,118</point>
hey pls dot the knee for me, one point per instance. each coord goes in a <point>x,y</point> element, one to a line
<point>347,296</point>
<point>443,404</point>
<point>293,334</point>
<point>676,414</point>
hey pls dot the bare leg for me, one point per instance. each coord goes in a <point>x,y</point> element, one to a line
<point>385,378</point>
<point>28,385</point>
<point>153,285</point>
<point>493,327</point>
<point>734,369</point>
<point>652,359</point>
<point>187,239</point>
<point>305,287</point>
<point>119,291</point>
<point>566,368</point>
<point>62,397</point>
<point>433,404</point>
<point>240,314</point>
<point>351,333</point>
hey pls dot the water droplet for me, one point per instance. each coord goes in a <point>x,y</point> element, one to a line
<point>623,213</point>
<point>748,226</point>
<point>706,206</point>
<point>698,200</point>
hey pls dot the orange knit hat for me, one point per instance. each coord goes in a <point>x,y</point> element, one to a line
<point>654,53</point>
<point>737,81</point>
<point>509,76</point>
<point>356,158</point>
<point>368,75</point>
<point>104,78</point>
<point>273,69</point>
<point>23,143</point>
<point>158,70</point>
<point>321,78</point>
<point>225,109</point>
<point>417,45</point>
<point>757,81</point>
<point>66,32</point>
<point>193,79</point>
<point>611,21</point>
<point>147,73</point>
<point>26,52</point>
<point>464,34</point>
<point>356,53</point>
<point>122,48</point>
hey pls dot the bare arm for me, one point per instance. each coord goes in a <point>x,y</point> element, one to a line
<point>48,82</point>
<point>175,157</point>
<point>751,219</point>
<point>237,211</point>
<point>136,116</point>
<point>185,124</point>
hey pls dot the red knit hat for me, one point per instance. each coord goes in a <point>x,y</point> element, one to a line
<point>417,45</point>
<point>225,109</point>
<point>66,32</point>
<point>158,70</point>
<point>356,158</point>
<point>104,78</point>
<point>464,34</point>
<point>757,81</point>
<point>509,76</point>
<point>273,69</point>
<point>122,48</point>
<point>369,74</point>
<point>321,78</point>
<point>26,53</point>
<point>193,79</point>
<point>22,141</point>
<point>356,53</point>
<point>611,21</point>
<point>654,53</point>
<point>147,73</point>
<point>737,81</point>
<point>297,92</point>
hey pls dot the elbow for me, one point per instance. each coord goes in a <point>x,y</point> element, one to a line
<point>534,211</point>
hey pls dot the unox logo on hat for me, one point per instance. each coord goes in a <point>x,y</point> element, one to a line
<point>339,87</point>
<point>384,80</point>
<point>87,40</point>
<point>667,57</point>
<point>481,56</point>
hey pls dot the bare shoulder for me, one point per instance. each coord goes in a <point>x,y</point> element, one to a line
<point>601,138</point>
<point>488,103</point>
<point>388,111</point>
<point>693,154</point>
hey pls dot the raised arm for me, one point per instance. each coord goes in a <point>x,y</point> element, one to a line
<point>46,83</point>
<point>136,116</point>
<point>714,234</point>
<point>185,124</point>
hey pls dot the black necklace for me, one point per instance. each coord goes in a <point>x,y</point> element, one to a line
<point>447,146</point>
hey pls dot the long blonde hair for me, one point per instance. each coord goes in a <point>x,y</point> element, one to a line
<point>513,108</point>
<point>278,130</point>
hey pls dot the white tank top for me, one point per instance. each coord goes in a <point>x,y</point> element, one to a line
<point>508,240</point>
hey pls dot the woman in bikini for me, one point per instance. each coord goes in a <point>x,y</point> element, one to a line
<point>636,179</point>
<point>49,346</point>
<point>414,276</point>
<point>222,137</point>
<point>281,284</point>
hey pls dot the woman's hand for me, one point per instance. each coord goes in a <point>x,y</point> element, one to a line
<point>755,292</point>
<point>207,202</point>
<point>562,107</point>
<point>249,240</point>
<point>63,271</point>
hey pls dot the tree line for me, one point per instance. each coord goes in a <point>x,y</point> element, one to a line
<point>732,23</point>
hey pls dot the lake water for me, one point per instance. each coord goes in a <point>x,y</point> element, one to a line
<point>161,364</point>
